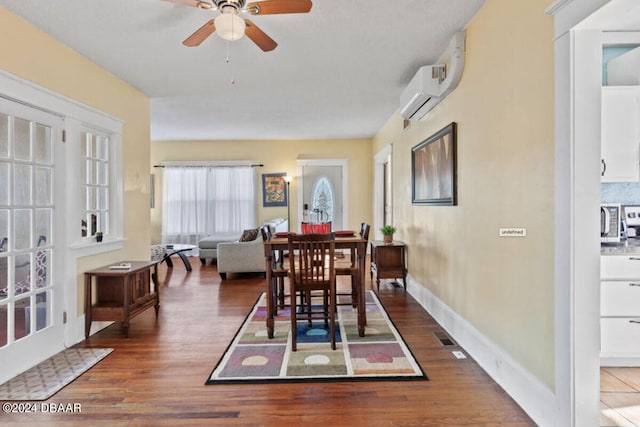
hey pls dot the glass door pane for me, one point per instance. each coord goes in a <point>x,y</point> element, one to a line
<point>323,195</point>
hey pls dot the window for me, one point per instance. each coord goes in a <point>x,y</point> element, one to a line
<point>199,201</point>
<point>94,161</point>
<point>95,191</point>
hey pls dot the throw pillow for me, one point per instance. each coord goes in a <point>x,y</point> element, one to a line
<point>249,235</point>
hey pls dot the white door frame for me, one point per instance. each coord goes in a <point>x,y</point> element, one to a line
<point>578,43</point>
<point>343,163</point>
<point>383,156</point>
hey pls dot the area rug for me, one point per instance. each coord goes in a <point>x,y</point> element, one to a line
<point>47,378</point>
<point>380,355</point>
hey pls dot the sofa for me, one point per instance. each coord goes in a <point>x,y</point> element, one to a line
<point>246,253</point>
<point>241,257</point>
<point>209,245</point>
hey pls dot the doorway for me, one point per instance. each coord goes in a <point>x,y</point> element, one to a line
<point>382,195</point>
<point>322,192</point>
<point>578,77</point>
<point>31,291</point>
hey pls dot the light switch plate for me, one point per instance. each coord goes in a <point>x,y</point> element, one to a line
<point>459,355</point>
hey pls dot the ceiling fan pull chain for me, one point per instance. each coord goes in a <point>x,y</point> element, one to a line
<point>228,61</point>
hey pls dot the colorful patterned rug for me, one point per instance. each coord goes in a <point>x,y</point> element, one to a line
<point>380,355</point>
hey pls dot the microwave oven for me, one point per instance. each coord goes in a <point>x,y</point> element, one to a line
<point>610,223</point>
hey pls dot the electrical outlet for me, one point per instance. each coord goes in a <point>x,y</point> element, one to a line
<point>459,355</point>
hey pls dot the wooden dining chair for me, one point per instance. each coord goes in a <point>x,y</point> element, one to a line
<point>278,271</point>
<point>312,269</point>
<point>352,269</point>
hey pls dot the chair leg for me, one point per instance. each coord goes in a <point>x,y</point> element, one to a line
<point>325,307</point>
<point>354,292</point>
<point>274,296</point>
<point>281,291</point>
<point>294,322</point>
<point>308,302</point>
<point>332,314</point>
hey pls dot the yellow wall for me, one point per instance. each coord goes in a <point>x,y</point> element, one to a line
<point>32,55</point>
<point>504,111</point>
<point>276,156</point>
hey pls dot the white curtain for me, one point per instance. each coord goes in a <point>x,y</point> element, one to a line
<point>200,201</point>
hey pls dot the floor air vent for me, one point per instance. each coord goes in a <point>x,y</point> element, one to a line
<point>444,338</point>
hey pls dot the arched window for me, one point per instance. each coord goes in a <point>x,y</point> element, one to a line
<point>323,199</point>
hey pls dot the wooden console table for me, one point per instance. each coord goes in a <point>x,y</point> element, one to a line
<point>120,295</point>
<point>388,261</point>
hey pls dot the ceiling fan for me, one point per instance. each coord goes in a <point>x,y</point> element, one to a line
<point>230,26</point>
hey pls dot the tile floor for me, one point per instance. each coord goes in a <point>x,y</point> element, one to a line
<point>619,397</point>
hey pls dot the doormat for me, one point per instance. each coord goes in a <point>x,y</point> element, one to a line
<point>378,356</point>
<point>47,378</point>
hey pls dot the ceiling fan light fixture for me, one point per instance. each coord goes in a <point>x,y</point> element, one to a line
<point>230,26</point>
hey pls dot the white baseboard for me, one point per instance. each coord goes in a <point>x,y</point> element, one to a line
<point>96,326</point>
<point>619,360</point>
<point>533,396</point>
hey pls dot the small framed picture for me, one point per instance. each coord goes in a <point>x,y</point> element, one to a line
<point>274,191</point>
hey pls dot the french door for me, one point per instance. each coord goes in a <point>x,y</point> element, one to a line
<point>31,300</point>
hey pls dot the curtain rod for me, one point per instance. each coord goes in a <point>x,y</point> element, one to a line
<point>208,166</point>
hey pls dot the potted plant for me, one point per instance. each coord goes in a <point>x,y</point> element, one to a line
<point>99,236</point>
<point>387,232</point>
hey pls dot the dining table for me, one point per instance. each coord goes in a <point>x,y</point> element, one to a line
<point>343,241</point>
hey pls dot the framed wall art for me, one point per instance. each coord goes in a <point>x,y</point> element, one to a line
<point>274,191</point>
<point>433,169</point>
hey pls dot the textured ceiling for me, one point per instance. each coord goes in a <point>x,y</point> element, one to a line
<point>337,72</point>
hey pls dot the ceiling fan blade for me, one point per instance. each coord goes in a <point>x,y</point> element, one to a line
<point>272,7</point>
<point>259,37</point>
<point>200,34</point>
<point>194,3</point>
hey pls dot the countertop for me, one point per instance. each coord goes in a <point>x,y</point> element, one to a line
<point>629,246</point>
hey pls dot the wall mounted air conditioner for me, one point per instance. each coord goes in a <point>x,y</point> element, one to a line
<point>422,87</point>
<point>432,83</point>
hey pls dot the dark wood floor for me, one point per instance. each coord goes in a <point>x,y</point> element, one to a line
<point>156,376</point>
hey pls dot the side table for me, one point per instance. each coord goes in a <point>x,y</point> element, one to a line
<point>179,250</point>
<point>120,294</point>
<point>388,261</point>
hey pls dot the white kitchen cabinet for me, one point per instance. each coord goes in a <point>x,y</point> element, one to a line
<point>620,146</point>
<point>620,310</point>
